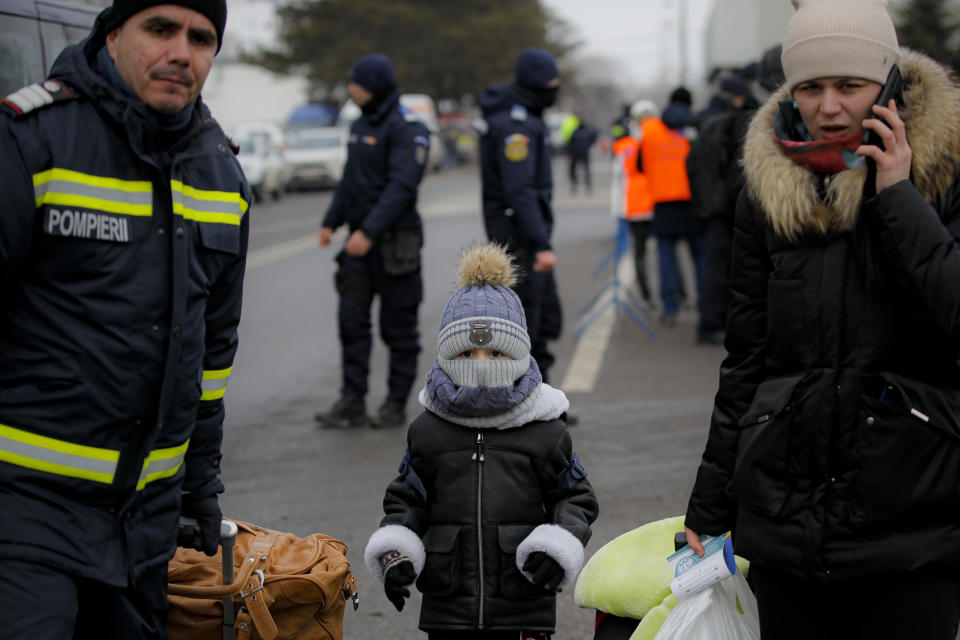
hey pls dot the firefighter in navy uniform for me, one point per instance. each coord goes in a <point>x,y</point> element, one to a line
<point>377,200</point>
<point>518,188</point>
<point>123,235</point>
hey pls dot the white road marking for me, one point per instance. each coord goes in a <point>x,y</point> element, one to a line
<point>281,251</point>
<point>592,345</point>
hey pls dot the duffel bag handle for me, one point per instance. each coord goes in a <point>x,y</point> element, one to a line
<point>252,600</point>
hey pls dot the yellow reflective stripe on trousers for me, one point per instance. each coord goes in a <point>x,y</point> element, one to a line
<point>67,188</point>
<point>214,383</point>
<point>162,463</point>
<point>56,456</point>
<point>222,207</point>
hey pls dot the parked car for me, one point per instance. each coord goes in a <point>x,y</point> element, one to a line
<point>32,34</point>
<point>317,157</point>
<point>312,116</point>
<point>262,156</point>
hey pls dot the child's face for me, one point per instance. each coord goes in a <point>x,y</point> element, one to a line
<point>482,354</point>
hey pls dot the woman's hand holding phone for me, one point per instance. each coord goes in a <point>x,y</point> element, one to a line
<point>893,160</point>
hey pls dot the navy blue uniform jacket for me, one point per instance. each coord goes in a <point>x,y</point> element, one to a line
<point>516,173</point>
<point>121,270</point>
<point>387,154</point>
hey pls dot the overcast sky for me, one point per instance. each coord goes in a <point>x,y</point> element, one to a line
<point>642,35</point>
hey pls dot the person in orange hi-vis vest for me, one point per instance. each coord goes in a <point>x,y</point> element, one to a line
<point>662,157</point>
<point>631,200</point>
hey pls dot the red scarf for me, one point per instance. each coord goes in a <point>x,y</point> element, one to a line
<point>823,156</point>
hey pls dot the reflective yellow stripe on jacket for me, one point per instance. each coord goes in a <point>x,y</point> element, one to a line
<point>221,207</point>
<point>68,188</point>
<point>62,458</point>
<point>214,383</point>
<point>162,463</point>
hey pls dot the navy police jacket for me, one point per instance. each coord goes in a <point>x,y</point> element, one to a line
<point>387,154</point>
<point>121,268</point>
<point>516,174</point>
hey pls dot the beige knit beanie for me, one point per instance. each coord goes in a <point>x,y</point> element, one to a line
<point>847,38</point>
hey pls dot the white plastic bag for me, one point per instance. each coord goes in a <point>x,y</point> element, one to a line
<point>725,611</point>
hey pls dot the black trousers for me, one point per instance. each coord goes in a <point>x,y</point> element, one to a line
<point>42,602</point>
<point>541,304</point>
<point>358,280</point>
<point>575,161</point>
<point>924,603</point>
<point>640,230</point>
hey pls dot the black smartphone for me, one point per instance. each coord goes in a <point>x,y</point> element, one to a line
<point>892,88</point>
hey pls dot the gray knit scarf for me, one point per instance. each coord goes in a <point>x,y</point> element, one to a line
<point>458,396</point>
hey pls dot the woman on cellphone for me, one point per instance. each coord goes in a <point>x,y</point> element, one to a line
<point>834,446</point>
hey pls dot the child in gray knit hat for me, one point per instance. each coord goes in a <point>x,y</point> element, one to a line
<point>492,508</point>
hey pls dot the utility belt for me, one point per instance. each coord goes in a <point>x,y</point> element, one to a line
<point>95,464</point>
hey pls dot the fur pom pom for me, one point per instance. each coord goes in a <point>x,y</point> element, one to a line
<point>486,264</point>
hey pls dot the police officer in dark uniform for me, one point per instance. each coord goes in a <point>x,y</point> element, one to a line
<point>518,188</point>
<point>123,236</point>
<point>377,200</point>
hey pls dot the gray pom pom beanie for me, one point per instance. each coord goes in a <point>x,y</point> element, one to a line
<point>484,313</point>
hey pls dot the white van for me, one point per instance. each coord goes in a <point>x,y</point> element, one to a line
<point>423,107</point>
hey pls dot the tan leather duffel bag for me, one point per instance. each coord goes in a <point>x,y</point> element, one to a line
<point>284,587</point>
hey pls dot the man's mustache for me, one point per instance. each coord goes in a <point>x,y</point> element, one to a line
<point>172,72</point>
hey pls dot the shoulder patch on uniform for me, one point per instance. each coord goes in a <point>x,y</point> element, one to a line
<point>421,146</point>
<point>518,112</point>
<point>37,96</point>
<point>516,147</point>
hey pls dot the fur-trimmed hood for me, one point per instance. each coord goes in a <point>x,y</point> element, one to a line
<point>788,193</point>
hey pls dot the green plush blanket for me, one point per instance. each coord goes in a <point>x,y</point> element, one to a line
<point>630,576</point>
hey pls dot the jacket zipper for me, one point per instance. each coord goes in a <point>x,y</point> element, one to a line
<point>479,459</point>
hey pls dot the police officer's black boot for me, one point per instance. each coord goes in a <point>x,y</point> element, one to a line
<point>346,412</point>
<point>390,414</point>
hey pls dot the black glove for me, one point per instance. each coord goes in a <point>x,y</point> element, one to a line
<point>395,580</point>
<point>200,522</point>
<point>545,571</point>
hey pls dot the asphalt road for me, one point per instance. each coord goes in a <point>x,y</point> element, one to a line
<point>643,394</point>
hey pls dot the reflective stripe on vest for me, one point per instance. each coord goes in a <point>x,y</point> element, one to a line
<point>214,383</point>
<point>221,207</point>
<point>68,188</point>
<point>62,458</point>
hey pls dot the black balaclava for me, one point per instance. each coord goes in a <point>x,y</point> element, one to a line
<point>535,69</point>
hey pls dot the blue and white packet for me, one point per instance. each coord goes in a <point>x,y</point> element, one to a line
<point>693,574</point>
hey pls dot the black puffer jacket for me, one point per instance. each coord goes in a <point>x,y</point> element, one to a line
<point>834,446</point>
<point>473,496</point>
